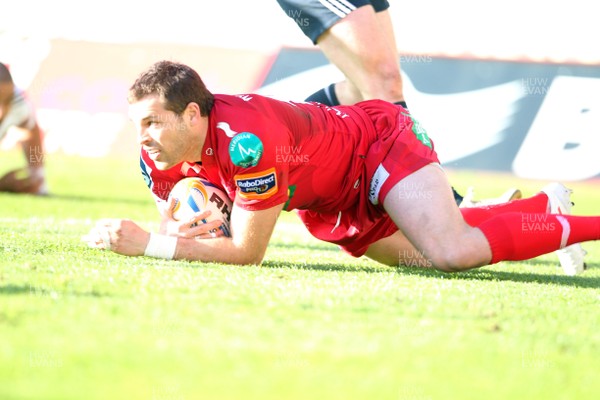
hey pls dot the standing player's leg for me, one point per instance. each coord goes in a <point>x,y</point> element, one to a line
<point>362,45</point>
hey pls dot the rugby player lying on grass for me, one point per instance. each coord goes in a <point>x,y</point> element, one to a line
<point>17,112</point>
<point>369,181</point>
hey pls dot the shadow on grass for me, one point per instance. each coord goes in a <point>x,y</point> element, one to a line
<point>14,289</point>
<point>324,266</point>
<point>582,281</point>
<point>42,292</point>
<point>308,246</point>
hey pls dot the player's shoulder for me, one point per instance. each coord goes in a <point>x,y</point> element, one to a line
<point>238,113</point>
<point>19,97</point>
<point>243,100</point>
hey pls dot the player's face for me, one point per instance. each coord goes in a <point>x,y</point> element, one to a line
<point>167,137</point>
<point>6,95</point>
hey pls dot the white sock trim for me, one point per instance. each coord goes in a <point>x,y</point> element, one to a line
<point>566,232</point>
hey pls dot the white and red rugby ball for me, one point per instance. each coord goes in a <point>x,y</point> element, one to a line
<point>194,195</point>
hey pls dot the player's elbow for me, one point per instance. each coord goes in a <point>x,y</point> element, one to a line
<point>249,256</point>
<point>250,259</point>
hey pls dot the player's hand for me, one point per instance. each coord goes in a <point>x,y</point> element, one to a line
<point>122,236</point>
<point>21,181</point>
<point>193,227</point>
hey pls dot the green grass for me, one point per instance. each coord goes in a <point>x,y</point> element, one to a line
<point>311,323</point>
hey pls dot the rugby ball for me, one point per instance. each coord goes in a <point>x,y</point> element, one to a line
<point>193,195</point>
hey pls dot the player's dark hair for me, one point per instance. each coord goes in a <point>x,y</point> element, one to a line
<point>5,76</point>
<point>176,84</point>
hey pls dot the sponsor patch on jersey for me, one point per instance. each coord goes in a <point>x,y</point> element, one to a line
<point>377,181</point>
<point>258,185</point>
<point>245,150</point>
<point>419,131</point>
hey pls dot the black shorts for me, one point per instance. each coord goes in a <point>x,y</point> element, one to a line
<point>316,16</point>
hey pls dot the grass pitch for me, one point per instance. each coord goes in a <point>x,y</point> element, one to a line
<point>310,323</point>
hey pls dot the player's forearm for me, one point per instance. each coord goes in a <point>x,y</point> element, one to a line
<point>128,238</point>
<point>219,250</point>
<point>33,148</point>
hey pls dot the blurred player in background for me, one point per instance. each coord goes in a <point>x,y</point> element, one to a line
<point>369,181</point>
<point>17,113</point>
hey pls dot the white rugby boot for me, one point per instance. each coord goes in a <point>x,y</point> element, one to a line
<point>468,200</point>
<point>571,257</point>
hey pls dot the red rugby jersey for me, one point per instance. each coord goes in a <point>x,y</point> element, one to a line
<point>264,152</point>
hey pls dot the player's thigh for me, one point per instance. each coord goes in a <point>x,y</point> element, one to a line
<point>314,17</point>
<point>357,38</point>
<point>423,208</point>
<point>384,20</point>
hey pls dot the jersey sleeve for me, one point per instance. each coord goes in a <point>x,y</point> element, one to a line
<point>20,114</point>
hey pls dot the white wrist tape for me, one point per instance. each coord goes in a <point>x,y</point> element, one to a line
<point>105,237</point>
<point>161,246</point>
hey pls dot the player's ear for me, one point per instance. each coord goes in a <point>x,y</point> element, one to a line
<point>192,112</point>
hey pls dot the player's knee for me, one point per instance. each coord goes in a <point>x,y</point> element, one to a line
<point>389,72</point>
<point>450,259</point>
<point>385,82</point>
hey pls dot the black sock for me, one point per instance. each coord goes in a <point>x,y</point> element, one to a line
<point>457,197</point>
<point>325,96</point>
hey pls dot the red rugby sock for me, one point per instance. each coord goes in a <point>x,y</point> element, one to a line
<point>476,215</point>
<point>520,236</point>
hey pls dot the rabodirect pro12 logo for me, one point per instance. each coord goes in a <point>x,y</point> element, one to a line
<point>259,185</point>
